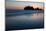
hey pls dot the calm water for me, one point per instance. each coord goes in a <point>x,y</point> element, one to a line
<point>24,19</point>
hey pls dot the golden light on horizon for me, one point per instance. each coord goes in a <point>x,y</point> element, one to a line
<point>14,6</point>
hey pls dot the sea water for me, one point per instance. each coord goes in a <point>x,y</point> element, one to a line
<point>24,19</point>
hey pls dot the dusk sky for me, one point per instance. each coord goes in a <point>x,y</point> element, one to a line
<point>12,4</point>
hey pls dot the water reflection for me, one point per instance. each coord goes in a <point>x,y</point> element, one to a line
<point>27,16</point>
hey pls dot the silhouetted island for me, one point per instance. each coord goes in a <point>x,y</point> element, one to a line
<point>38,9</point>
<point>28,8</point>
<point>31,8</point>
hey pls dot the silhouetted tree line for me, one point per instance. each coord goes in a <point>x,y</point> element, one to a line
<point>31,8</point>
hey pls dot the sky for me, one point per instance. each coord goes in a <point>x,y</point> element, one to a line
<point>13,4</point>
<point>27,0</point>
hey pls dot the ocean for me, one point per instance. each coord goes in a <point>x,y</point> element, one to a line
<point>24,19</point>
